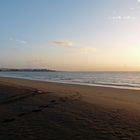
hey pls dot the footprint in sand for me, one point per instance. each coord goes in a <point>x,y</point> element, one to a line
<point>75,96</point>
<point>22,114</point>
<point>36,110</point>
<point>50,105</point>
<point>62,99</point>
<point>43,106</point>
<point>54,102</point>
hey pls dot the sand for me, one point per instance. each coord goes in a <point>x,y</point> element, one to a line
<point>37,110</point>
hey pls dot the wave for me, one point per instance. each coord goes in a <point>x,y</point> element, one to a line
<point>116,79</point>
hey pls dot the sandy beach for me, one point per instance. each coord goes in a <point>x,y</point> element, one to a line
<point>44,110</point>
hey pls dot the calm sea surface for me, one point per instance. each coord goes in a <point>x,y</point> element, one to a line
<point>109,79</point>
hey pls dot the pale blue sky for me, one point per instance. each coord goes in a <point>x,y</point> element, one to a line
<point>70,34</point>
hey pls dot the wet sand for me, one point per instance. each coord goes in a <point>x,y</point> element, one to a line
<point>37,110</point>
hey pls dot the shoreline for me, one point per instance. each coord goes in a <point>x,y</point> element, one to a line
<point>47,110</point>
<point>110,96</point>
<point>129,87</point>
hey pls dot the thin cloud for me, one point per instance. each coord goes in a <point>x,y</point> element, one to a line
<point>138,0</point>
<point>132,8</point>
<point>118,18</point>
<point>63,43</point>
<point>86,50</point>
<point>19,41</point>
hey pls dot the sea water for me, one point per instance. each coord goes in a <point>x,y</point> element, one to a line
<point>109,79</point>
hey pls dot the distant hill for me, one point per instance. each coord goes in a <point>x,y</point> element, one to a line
<point>31,70</point>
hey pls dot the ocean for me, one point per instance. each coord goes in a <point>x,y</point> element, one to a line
<point>129,80</point>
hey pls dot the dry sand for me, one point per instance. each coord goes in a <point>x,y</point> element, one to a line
<point>53,111</point>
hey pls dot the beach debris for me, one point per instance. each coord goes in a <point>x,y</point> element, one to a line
<point>39,91</point>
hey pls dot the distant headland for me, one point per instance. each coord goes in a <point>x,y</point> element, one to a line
<point>24,70</point>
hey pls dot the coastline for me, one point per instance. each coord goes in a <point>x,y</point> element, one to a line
<point>114,80</point>
<point>109,95</point>
<point>77,111</point>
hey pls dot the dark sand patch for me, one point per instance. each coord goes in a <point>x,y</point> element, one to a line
<point>34,114</point>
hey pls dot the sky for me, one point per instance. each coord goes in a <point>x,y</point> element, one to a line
<point>73,35</point>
